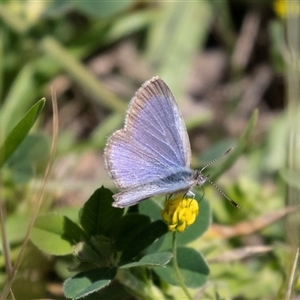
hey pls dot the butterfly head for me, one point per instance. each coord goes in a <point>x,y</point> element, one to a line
<point>200,178</point>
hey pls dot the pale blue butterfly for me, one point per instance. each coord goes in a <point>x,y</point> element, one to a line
<point>151,156</point>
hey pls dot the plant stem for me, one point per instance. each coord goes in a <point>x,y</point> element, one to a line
<point>176,268</point>
<point>292,276</point>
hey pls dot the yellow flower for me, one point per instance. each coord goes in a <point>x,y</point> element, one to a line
<point>284,8</point>
<point>180,212</point>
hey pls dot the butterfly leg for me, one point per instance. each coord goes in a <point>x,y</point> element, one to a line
<point>168,199</point>
<point>189,194</point>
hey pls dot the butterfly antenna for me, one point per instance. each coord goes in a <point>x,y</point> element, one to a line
<point>213,184</point>
<point>222,193</point>
<point>213,161</point>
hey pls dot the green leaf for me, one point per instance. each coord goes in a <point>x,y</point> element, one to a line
<point>20,131</point>
<point>151,260</point>
<point>31,152</point>
<point>192,267</point>
<point>19,98</point>
<point>114,291</point>
<point>56,234</point>
<point>86,253</point>
<point>128,24</point>
<point>144,239</point>
<point>151,208</point>
<point>98,216</point>
<point>128,228</point>
<point>88,282</point>
<point>16,227</point>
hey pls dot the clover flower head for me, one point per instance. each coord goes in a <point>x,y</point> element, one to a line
<point>180,212</point>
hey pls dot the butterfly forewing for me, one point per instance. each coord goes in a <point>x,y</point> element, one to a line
<point>154,142</point>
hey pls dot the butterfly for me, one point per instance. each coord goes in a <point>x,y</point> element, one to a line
<point>151,155</point>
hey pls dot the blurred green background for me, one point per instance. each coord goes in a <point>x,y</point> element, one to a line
<point>221,59</point>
